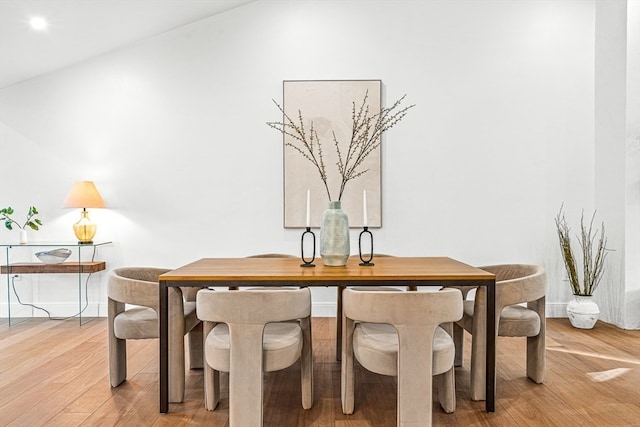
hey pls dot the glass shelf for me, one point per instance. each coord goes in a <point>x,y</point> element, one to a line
<point>81,265</point>
<point>46,244</point>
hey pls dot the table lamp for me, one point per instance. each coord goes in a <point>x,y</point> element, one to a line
<point>84,194</point>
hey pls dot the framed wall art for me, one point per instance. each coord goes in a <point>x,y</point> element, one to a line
<point>325,111</point>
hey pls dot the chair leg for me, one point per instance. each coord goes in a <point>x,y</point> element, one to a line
<point>347,379</point>
<point>458,341</point>
<point>479,347</point>
<point>446,384</point>
<point>211,376</point>
<point>536,357</point>
<point>117,347</point>
<point>117,361</point>
<point>176,366</point>
<point>195,348</point>
<point>211,388</point>
<point>306,364</point>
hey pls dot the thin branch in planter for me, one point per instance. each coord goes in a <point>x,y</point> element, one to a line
<point>567,252</point>
<point>592,265</point>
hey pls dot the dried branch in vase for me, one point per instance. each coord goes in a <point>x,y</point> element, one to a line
<point>366,133</point>
<point>592,264</point>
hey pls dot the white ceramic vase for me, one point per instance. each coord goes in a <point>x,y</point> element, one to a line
<point>334,236</point>
<point>23,237</point>
<point>583,312</point>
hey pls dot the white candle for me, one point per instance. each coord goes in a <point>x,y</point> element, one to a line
<point>364,207</point>
<point>308,208</point>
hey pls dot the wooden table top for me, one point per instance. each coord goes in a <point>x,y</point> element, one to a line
<point>62,267</point>
<point>388,269</point>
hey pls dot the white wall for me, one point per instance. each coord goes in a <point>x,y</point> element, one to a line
<point>172,130</point>
<point>632,168</point>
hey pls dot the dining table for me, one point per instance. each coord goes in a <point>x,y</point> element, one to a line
<point>410,272</point>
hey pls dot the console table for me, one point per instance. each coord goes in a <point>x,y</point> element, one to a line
<point>79,266</point>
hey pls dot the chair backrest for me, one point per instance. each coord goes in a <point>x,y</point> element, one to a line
<point>272,255</point>
<point>253,306</point>
<point>403,308</point>
<point>518,283</point>
<point>135,285</point>
<point>415,315</point>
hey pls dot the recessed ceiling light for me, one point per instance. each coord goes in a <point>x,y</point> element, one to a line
<point>38,23</point>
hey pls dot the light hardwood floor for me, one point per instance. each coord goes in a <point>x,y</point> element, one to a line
<point>55,373</point>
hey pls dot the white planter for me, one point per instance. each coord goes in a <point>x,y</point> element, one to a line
<point>23,237</point>
<point>583,312</point>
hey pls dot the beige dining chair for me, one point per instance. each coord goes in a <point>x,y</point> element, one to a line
<point>251,332</point>
<point>272,255</point>
<point>341,288</point>
<point>516,284</point>
<point>138,286</point>
<point>398,333</point>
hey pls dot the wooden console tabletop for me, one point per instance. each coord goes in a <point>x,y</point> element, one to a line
<point>63,267</point>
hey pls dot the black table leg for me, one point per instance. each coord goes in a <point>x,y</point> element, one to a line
<point>164,347</point>
<point>490,380</point>
<point>339,322</point>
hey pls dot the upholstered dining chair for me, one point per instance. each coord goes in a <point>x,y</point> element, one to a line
<point>248,333</point>
<point>398,333</point>
<point>272,255</point>
<point>516,284</point>
<point>341,288</point>
<point>138,286</point>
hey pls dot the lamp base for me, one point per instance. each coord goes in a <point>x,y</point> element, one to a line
<point>84,229</point>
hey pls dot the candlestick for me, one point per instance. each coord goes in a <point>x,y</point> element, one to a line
<point>364,208</point>
<point>305,262</point>
<point>366,262</point>
<point>308,208</point>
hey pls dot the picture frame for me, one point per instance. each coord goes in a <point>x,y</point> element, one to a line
<point>329,105</point>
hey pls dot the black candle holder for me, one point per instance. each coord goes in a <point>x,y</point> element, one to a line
<point>309,263</point>
<point>365,263</point>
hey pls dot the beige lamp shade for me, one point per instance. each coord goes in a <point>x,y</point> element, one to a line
<point>84,194</point>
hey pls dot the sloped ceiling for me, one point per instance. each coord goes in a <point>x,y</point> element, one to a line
<point>82,29</point>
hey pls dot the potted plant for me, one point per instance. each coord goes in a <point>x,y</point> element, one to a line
<point>582,311</point>
<point>32,222</point>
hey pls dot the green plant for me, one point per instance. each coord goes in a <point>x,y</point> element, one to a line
<point>31,221</point>
<point>366,133</point>
<point>592,261</point>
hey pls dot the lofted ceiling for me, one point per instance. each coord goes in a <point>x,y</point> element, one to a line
<point>82,29</point>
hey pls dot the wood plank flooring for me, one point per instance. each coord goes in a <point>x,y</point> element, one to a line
<point>55,373</point>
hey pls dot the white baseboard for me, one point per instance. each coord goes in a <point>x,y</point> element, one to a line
<point>555,310</point>
<point>323,309</point>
